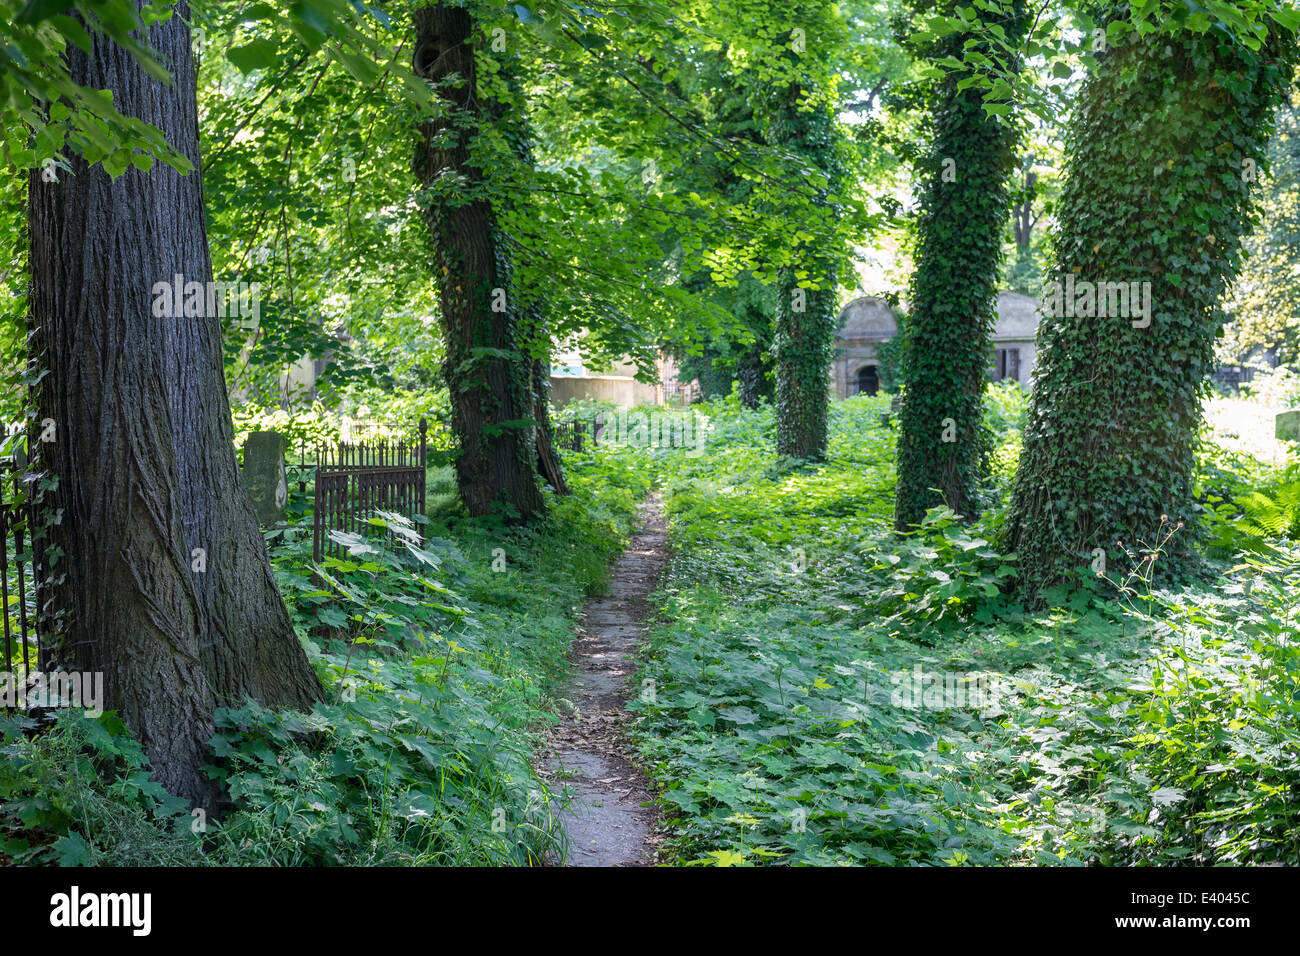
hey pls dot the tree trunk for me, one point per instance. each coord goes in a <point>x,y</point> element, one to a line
<point>750,373</point>
<point>804,346</point>
<point>548,461</point>
<point>144,456</point>
<point>946,353</point>
<point>1110,441</point>
<point>803,332</point>
<point>487,373</point>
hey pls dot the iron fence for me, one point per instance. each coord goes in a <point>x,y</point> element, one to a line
<point>576,434</point>
<point>18,560</point>
<point>353,481</point>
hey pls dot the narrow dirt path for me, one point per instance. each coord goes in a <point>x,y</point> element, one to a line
<point>605,822</point>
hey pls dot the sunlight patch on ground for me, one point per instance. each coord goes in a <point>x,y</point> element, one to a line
<point>1245,426</point>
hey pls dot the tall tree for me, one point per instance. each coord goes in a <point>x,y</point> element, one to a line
<point>803,336</point>
<point>158,575</point>
<point>511,122</point>
<point>1160,208</point>
<point>964,210</point>
<point>486,370</point>
<point>803,125</point>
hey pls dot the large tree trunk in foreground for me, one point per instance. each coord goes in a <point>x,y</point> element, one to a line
<point>964,211</point>
<point>1157,191</point>
<point>487,373</point>
<point>144,457</point>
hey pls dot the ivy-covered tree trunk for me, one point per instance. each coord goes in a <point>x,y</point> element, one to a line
<point>157,574</point>
<point>804,346</point>
<point>964,209</point>
<point>534,313</point>
<point>803,331</point>
<point>1157,192</point>
<point>486,371</point>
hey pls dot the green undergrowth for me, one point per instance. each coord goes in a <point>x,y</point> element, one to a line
<point>824,692</point>
<point>440,649</point>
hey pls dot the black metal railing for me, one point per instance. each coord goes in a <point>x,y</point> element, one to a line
<point>579,434</point>
<point>353,481</point>
<point>18,604</point>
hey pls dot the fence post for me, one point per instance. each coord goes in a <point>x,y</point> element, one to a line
<point>424,462</point>
<point>22,508</point>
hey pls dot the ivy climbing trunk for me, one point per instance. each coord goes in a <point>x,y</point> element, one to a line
<point>1157,194</point>
<point>486,371</point>
<point>534,327</point>
<point>161,580</point>
<point>804,327</point>
<point>963,212</point>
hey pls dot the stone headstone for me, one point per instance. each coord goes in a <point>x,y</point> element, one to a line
<point>264,476</point>
<point>1287,427</point>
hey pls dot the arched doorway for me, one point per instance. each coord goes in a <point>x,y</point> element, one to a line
<point>868,380</point>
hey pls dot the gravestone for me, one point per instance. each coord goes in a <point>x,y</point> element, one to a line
<point>895,406</point>
<point>1287,427</point>
<point>264,476</point>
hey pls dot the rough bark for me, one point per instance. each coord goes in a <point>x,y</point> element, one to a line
<point>486,371</point>
<point>751,373</point>
<point>548,461</point>
<point>144,456</point>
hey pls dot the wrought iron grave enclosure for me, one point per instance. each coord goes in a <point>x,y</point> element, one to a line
<point>355,481</point>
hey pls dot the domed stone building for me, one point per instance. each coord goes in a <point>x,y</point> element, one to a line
<point>869,322</point>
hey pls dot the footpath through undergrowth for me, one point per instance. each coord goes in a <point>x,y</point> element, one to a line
<point>442,657</point>
<point>813,690</point>
<point>608,821</point>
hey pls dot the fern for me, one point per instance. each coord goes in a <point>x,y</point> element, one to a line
<point>1275,515</point>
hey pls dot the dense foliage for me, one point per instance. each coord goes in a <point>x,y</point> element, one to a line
<point>441,671</point>
<point>871,645</point>
<point>828,694</point>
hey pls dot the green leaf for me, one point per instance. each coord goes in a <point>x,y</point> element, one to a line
<point>37,10</point>
<point>72,850</point>
<point>257,55</point>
